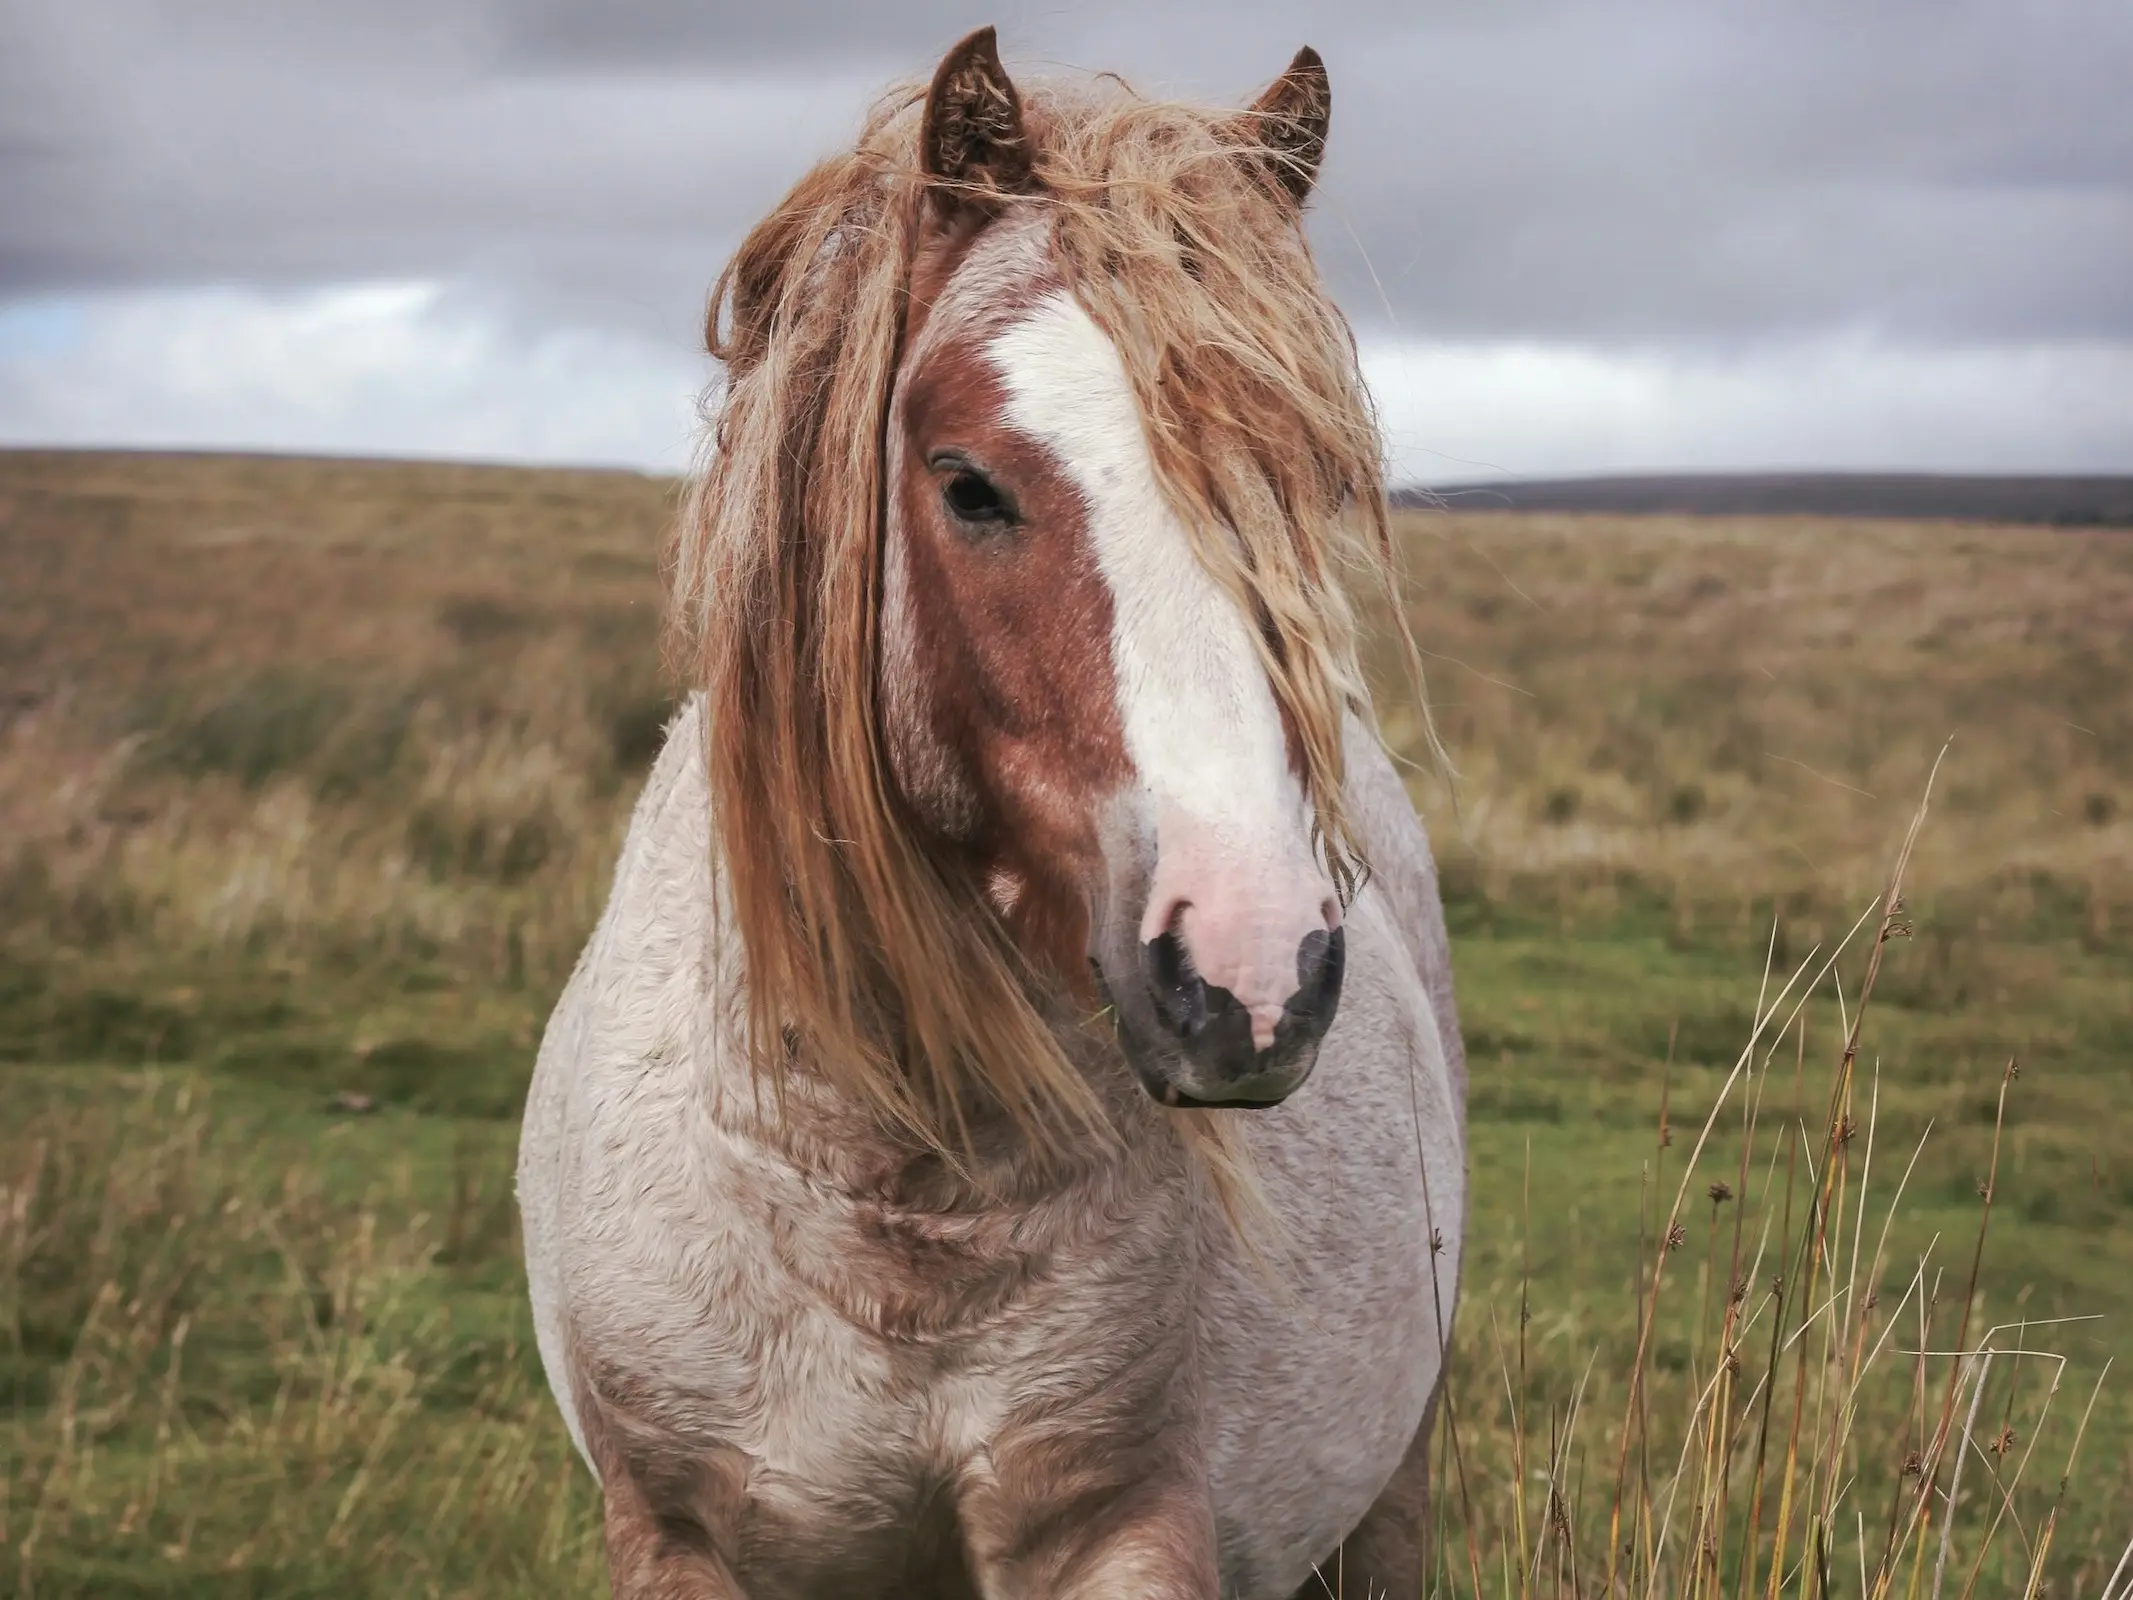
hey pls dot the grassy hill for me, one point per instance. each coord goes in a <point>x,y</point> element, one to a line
<point>311,775</point>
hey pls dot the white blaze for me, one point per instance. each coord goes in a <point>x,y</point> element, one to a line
<point>1201,724</point>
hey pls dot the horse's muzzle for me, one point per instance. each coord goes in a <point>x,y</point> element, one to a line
<point>1209,1056</point>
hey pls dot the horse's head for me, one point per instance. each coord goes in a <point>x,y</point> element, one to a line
<point>1014,575</point>
<point>1069,693</point>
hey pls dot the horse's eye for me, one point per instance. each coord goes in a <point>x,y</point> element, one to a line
<point>970,497</point>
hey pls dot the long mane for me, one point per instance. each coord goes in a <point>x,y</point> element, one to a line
<point>863,949</point>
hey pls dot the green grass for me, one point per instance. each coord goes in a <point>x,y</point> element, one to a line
<point>1583,1124</point>
<point>254,1348</point>
<point>310,779</point>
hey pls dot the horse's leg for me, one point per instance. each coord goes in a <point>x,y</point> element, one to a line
<point>1152,1540</point>
<point>1387,1553</point>
<point>669,1515</point>
<point>647,1561</point>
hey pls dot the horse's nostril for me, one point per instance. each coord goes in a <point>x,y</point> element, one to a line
<point>1320,961</point>
<point>1180,994</point>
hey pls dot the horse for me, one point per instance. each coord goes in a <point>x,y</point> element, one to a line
<point>1005,1133</point>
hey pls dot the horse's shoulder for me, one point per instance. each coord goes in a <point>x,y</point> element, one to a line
<point>1403,875</point>
<point>635,999</point>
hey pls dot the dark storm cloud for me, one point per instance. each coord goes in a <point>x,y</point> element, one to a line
<point>1652,175</point>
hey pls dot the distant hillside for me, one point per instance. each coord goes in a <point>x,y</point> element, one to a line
<point>2067,502</point>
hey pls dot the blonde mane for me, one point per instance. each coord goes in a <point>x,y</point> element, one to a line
<point>864,950</point>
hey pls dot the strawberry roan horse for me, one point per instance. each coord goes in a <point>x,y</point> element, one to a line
<point>927,1186</point>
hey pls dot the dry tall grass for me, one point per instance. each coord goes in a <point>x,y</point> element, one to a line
<point>244,1362</point>
<point>1732,707</point>
<point>331,709</point>
<point>1827,1404</point>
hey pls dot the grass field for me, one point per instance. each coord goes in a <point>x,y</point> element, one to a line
<point>311,775</point>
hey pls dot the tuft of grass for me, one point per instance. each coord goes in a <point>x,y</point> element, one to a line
<point>248,1348</point>
<point>1806,1406</point>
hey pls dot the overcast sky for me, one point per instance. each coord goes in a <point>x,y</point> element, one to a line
<point>1573,237</point>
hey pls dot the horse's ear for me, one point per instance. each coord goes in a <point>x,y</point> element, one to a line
<point>973,141</point>
<point>1286,126</point>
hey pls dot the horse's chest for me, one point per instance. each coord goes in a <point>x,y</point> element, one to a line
<point>803,1347</point>
<point>842,1446</point>
<point>739,1343</point>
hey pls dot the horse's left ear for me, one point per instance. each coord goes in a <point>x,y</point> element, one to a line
<point>973,141</point>
<point>1286,126</point>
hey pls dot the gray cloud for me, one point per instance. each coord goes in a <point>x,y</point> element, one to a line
<point>1651,177</point>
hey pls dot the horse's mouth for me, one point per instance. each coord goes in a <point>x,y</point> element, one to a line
<point>1178,1100</point>
<point>1171,1080</point>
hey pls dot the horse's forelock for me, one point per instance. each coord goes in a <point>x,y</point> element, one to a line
<point>1194,261</point>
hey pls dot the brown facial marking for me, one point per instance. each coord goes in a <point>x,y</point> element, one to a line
<point>1009,623</point>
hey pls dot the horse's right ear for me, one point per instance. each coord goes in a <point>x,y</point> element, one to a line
<point>1286,126</point>
<point>972,141</point>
